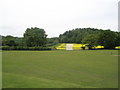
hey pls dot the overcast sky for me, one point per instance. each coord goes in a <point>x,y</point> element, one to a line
<point>57,16</point>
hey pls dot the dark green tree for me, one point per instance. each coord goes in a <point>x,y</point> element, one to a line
<point>35,37</point>
<point>52,41</point>
<point>118,39</point>
<point>19,41</point>
<point>76,35</point>
<point>91,40</point>
<point>0,40</point>
<point>107,39</point>
<point>8,41</point>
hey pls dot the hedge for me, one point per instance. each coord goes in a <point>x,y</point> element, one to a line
<point>24,48</point>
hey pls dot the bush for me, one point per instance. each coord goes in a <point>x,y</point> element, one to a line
<point>5,48</point>
<point>0,47</point>
<point>19,48</point>
<point>24,48</point>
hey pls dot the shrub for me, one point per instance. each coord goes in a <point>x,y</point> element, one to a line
<point>5,48</point>
<point>24,48</point>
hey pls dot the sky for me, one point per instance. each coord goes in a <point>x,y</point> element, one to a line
<point>56,16</point>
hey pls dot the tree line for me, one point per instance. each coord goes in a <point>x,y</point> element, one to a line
<point>94,37</point>
<point>33,39</point>
<point>36,39</point>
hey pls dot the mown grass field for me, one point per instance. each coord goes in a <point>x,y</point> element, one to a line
<point>60,69</point>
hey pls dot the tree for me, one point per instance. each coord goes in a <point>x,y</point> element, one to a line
<point>9,41</point>
<point>118,39</point>
<point>91,40</point>
<point>107,39</point>
<point>53,40</point>
<point>0,40</point>
<point>19,41</point>
<point>35,37</point>
<point>76,35</point>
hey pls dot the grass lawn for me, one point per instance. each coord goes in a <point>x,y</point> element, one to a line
<point>60,69</point>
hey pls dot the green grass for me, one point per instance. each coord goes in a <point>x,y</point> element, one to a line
<point>60,69</point>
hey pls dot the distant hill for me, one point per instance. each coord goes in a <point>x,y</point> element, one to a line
<point>76,35</point>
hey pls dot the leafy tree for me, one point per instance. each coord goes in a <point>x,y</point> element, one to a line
<point>53,40</point>
<point>9,41</point>
<point>118,39</point>
<point>76,35</point>
<point>35,37</point>
<point>91,40</point>
<point>19,41</point>
<point>0,40</point>
<point>108,39</point>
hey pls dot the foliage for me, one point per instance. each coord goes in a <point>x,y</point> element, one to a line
<point>35,37</point>
<point>108,39</point>
<point>24,48</point>
<point>19,41</point>
<point>0,40</point>
<point>77,35</point>
<point>91,40</point>
<point>118,39</point>
<point>9,41</point>
<point>52,41</point>
<point>12,41</point>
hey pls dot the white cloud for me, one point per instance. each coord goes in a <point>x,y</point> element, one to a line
<point>56,16</point>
